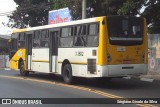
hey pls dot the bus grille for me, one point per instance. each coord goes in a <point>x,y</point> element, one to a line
<point>92,66</point>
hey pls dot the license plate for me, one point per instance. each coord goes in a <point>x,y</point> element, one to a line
<point>127,62</point>
<point>121,49</point>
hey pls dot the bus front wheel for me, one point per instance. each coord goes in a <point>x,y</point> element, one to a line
<point>23,72</point>
<point>67,74</point>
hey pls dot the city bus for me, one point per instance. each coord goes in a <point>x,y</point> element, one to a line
<point>99,47</point>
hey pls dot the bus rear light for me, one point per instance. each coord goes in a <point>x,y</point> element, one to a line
<point>143,57</point>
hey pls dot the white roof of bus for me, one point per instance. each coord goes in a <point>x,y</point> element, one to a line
<point>63,24</point>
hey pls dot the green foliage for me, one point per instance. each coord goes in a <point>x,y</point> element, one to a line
<point>127,8</point>
<point>110,7</point>
<point>152,14</point>
<point>115,7</point>
<point>30,12</point>
<point>131,7</point>
<point>59,4</point>
<point>35,12</point>
<point>75,7</point>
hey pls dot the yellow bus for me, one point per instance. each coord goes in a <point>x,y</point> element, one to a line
<point>100,47</point>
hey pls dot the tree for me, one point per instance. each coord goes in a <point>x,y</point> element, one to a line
<point>131,7</point>
<point>111,7</point>
<point>35,12</point>
<point>30,13</point>
<point>75,7</point>
<point>152,14</point>
<point>114,7</point>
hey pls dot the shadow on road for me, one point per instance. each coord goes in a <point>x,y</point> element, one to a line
<point>113,84</point>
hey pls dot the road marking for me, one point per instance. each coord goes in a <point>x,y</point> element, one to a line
<point>147,79</point>
<point>7,69</point>
<point>75,87</point>
<point>127,77</point>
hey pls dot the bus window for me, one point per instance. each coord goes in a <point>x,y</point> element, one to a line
<point>80,37</point>
<point>36,39</point>
<point>21,40</point>
<point>125,31</point>
<point>44,39</point>
<point>93,31</point>
<point>66,38</point>
<point>64,32</point>
<point>13,45</point>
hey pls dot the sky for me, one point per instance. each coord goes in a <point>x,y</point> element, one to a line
<point>6,6</point>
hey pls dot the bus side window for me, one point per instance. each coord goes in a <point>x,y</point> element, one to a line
<point>80,37</point>
<point>66,38</point>
<point>93,32</point>
<point>44,39</point>
<point>36,39</point>
<point>13,45</point>
<point>21,40</point>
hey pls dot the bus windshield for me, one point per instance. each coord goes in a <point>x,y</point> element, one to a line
<point>125,30</point>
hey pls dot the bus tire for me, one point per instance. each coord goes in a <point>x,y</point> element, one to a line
<point>22,70</point>
<point>67,74</point>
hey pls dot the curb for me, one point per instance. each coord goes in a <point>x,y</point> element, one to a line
<point>145,79</point>
<point>5,69</point>
<point>150,80</point>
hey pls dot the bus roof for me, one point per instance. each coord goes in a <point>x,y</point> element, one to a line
<point>19,30</point>
<point>83,21</point>
<point>63,24</point>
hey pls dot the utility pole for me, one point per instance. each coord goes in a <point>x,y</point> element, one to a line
<point>84,3</point>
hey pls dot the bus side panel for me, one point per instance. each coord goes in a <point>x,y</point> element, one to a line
<point>14,64</point>
<point>14,61</point>
<point>102,54</point>
<point>78,58</point>
<point>146,41</point>
<point>40,60</point>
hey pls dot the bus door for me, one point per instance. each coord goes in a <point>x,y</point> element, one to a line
<point>28,51</point>
<point>53,50</point>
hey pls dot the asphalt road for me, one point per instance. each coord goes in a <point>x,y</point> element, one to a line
<point>37,85</point>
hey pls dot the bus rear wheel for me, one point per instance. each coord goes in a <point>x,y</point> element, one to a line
<point>67,74</point>
<point>22,70</point>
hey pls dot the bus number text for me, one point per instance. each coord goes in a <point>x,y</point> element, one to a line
<point>79,53</point>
